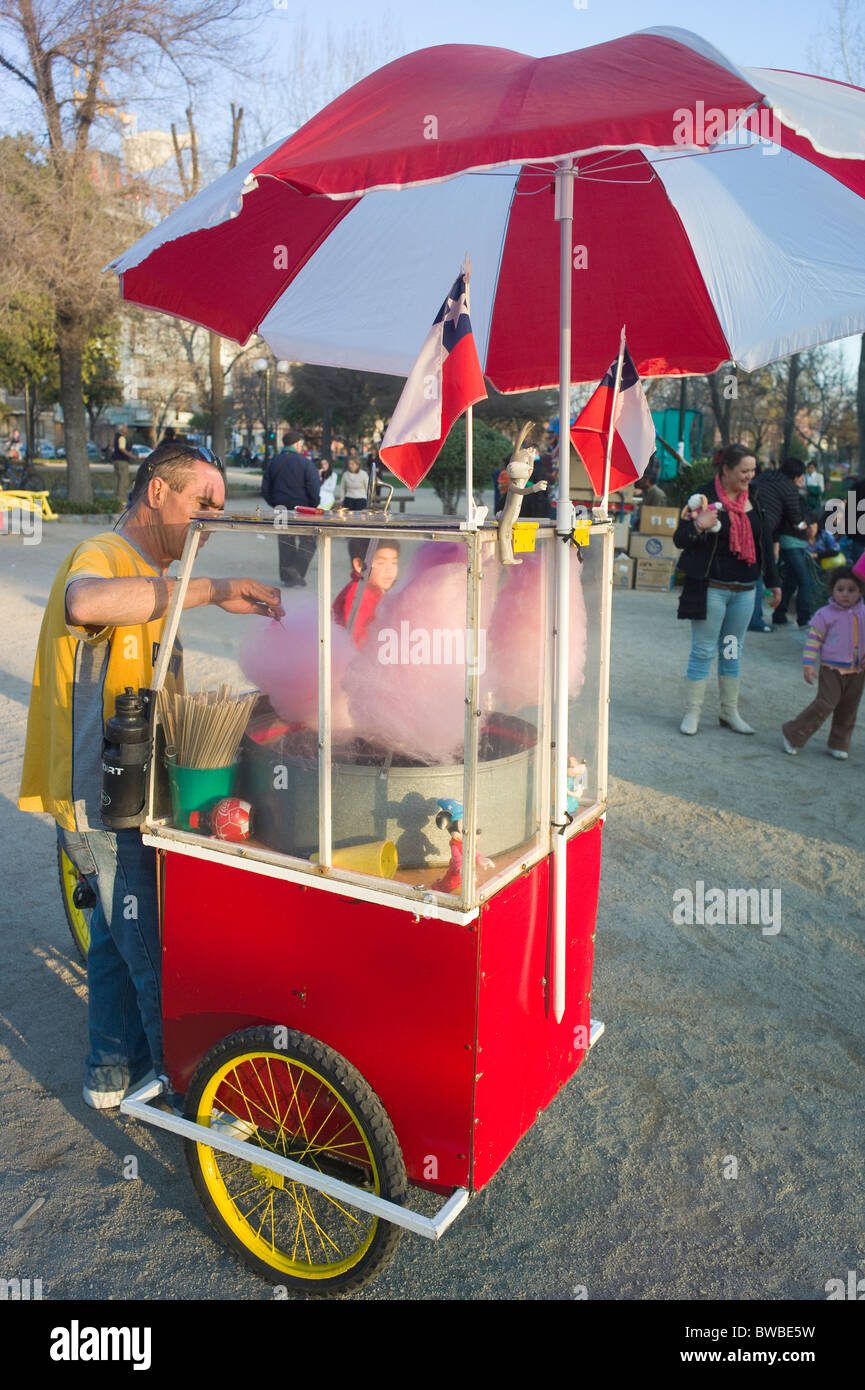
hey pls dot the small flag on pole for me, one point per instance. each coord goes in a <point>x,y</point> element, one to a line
<point>444,381</point>
<point>633,430</point>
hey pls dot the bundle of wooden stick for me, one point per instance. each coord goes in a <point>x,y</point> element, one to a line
<point>205,728</point>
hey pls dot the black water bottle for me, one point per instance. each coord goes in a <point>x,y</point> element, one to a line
<point>125,761</point>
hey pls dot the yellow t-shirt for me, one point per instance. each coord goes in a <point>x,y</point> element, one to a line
<point>78,675</point>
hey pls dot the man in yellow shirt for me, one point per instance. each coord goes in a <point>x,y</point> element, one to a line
<point>101,633</point>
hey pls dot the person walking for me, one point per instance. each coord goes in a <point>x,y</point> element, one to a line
<point>327,478</point>
<point>101,633</point>
<point>782,496</point>
<point>783,504</point>
<point>353,486</point>
<point>837,637</point>
<point>121,457</point>
<point>726,547</point>
<point>291,480</point>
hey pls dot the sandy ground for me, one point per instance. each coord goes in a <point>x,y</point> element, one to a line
<point>723,1042</point>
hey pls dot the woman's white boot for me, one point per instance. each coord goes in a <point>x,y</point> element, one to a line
<point>729,715</point>
<point>694,694</point>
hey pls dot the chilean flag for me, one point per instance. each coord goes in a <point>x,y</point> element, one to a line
<point>444,381</point>
<point>633,431</point>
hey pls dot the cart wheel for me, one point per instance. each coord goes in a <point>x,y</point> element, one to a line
<point>307,1103</point>
<point>79,901</point>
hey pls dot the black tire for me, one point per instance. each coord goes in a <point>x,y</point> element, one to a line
<point>290,1079</point>
<point>77,918</point>
<point>33,481</point>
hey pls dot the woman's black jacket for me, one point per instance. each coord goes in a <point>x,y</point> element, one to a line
<point>699,549</point>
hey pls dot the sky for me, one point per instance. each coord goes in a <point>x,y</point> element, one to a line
<point>770,33</point>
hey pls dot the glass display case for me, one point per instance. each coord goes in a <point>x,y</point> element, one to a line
<point>394,731</point>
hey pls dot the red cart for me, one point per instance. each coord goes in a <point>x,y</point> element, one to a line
<point>345,1029</point>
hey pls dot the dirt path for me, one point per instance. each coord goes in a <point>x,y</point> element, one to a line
<point>729,1049</point>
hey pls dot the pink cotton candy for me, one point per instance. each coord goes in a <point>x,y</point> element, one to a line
<point>406,685</point>
<point>518,635</point>
<point>281,658</point>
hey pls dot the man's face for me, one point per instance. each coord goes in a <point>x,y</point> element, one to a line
<point>385,568</point>
<point>204,491</point>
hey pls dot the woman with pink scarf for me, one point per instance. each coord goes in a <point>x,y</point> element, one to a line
<point>726,545</point>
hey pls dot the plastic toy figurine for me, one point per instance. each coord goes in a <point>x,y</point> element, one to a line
<point>577,773</point>
<point>450,818</point>
<point>519,470</point>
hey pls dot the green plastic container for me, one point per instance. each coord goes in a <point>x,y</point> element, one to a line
<point>193,788</point>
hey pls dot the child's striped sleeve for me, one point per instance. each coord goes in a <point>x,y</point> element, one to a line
<point>813,643</point>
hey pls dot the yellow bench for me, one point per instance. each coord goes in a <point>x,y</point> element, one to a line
<point>34,500</point>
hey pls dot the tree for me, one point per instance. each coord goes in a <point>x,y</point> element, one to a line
<point>74,61</point>
<point>508,413</point>
<point>339,398</point>
<point>790,407</point>
<point>211,384</point>
<point>721,396</point>
<point>99,374</point>
<point>839,50</point>
<point>28,358</point>
<point>490,449</point>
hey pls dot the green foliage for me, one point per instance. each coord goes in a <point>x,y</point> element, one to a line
<point>28,346</point>
<point>352,400</point>
<point>448,474</point>
<point>64,507</point>
<point>100,367</point>
<point>691,479</point>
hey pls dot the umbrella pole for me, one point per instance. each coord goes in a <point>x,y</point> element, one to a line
<point>564,212</point>
<point>470,500</point>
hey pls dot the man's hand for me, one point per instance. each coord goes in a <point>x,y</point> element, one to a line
<point>775,599</point>
<point>810,674</point>
<point>246,596</point>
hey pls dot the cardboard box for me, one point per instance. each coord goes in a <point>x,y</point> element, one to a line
<point>654,574</point>
<point>621,534</point>
<point>653,547</point>
<point>659,521</point>
<point>623,572</point>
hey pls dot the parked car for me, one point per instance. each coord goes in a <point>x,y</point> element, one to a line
<point>140,451</point>
<point>45,450</point>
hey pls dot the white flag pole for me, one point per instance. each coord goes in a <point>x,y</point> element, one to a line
<point>612,428</point>
<point>466,270</point>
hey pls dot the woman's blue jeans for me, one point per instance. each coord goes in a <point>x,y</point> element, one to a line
<point>123,962</point>
<point>723,629</point>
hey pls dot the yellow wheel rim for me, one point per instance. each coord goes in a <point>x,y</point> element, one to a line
<point>79,923</point>
<point>288,1108</point>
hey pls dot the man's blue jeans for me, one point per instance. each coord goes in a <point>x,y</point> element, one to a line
<point>794,575</point>
<point>123,962</point>
<point>723,629</point>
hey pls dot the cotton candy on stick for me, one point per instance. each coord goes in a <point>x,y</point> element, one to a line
<point>518,634</point>
<point>281,658</point>
<point>403,692</point>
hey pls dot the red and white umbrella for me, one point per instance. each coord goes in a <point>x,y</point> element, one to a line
<point>708,241</point>
<point>718,212</point>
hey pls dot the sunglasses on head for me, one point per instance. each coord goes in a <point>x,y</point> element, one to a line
<point>200,451</point>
